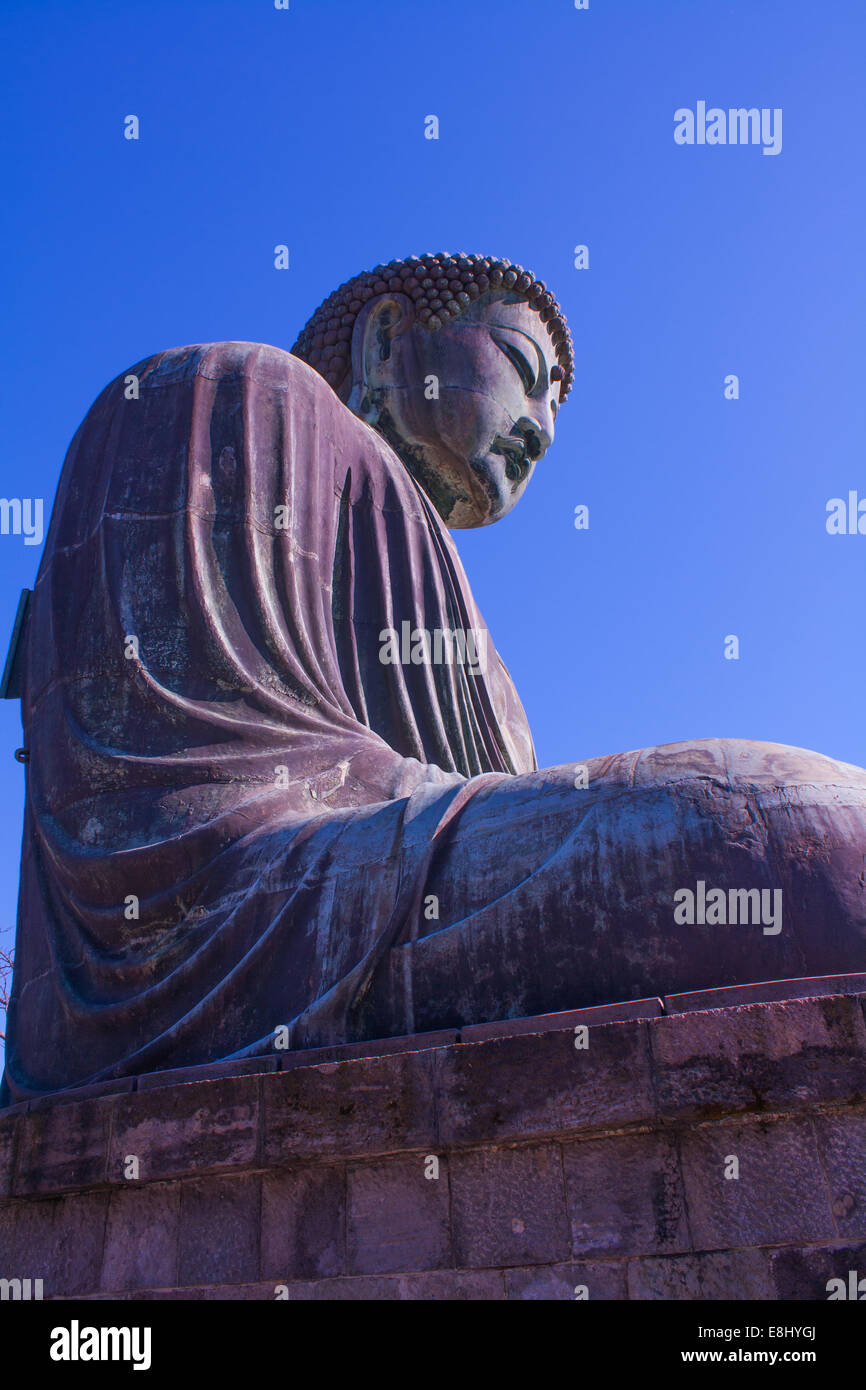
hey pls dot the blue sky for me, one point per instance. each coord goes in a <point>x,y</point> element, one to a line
<point>306,127</point>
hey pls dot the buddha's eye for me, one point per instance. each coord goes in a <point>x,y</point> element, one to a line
<point>521,363</point>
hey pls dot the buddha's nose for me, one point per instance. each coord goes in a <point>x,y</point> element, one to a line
<point>536,439</point>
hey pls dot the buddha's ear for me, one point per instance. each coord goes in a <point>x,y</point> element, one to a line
<point>378,324</point>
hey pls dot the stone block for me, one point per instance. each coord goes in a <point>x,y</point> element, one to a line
<point>60,1241</point>
<point>593,1280</point>
<point>115,1297</point>
<point>365,1289</point>
<point>8,1129</point>
<point>722,1274</point>
<point>208,1293</point>
<point>141,1238</point>
<point>62,1147</point>
<point>397,1218</point>
<point>454,1285</point>
<point>842,1145</point>
<point>508,1206</point>
<point>8,1216</point>
<point>804,1274</point>
<point>445,1285</point>
<point>357,1108</point>
<point>303,1223</point>
<point>780,1191</point>
<point>625,1195</point>
<point>204,1127</point>
<point>540,1084</point>
<point>219,1230</point>
<point>761,1056</point>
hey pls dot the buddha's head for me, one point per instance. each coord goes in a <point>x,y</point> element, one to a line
<point>460,362</point>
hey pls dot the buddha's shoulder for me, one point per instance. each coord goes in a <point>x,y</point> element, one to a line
<point>226,359</point>
<point>254,371</point>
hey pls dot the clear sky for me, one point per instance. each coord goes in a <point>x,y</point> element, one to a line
<point>306,127</point>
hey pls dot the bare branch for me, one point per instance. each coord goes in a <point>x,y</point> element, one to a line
<point>6,963</point>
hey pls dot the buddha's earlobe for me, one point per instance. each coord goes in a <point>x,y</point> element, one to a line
<point>367,408</point>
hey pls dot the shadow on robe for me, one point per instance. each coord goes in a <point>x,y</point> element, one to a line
<point>240,818</point>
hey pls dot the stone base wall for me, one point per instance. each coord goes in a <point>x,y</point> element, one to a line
<point>600,1168</point>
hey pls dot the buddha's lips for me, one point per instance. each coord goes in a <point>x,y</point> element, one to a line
<point>513,450</point>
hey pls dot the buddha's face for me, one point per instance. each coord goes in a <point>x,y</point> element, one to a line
<point>469,408</point>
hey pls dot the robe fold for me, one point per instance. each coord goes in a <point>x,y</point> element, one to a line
<point>231,799</point>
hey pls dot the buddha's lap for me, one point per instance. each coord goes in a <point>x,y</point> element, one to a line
<point>672,869</point>
<point>626,833</point>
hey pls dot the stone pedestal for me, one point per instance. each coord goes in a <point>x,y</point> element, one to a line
<point>504,1162</point>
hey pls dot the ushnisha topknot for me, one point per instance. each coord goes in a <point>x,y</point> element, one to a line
<point>441,286</point>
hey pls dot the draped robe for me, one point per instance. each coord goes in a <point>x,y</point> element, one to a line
<point>240,819</point>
